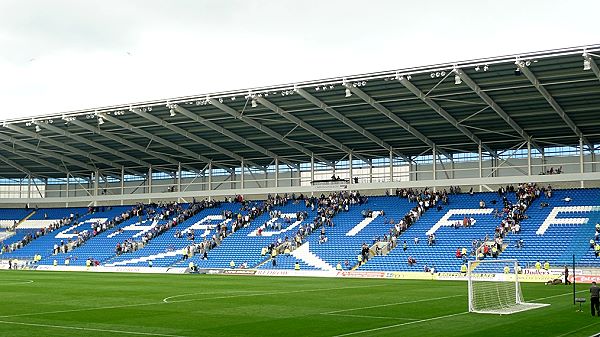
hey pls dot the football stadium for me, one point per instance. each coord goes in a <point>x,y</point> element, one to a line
<point>450,199</point>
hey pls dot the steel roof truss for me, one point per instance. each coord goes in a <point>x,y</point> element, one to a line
<point>403,124</point>
<point>440,111</point>
<point>489,101</point>
<point>94,144</point>
<point>320,104</point>
<point>127,143</point>
<point>308,127</point>
<point>264,129</point>
<point>190,135</point>
<point>557,108</point>
<point>225,132</point>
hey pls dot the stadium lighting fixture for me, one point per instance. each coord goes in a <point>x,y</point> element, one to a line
<point>348,92</point>
<point>485,67</point>
<point>457,80</point>
<point>477,68</point>
<point>517,71</point>
<point>172,112</point>
<point>100,121</point>
<point>37,128</point>
<point>254,104</point>
<point>587,64</point>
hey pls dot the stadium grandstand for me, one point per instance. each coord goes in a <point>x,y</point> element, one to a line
<point>411,173</point>
<point>476,125</point>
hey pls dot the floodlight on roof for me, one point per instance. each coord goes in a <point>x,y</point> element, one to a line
<point>457,80</point>
<point>348,92</point>
<point>254,104</point>
<point>517,71</point>
<point>587,64</point>
<point>172,112</point>
<point>486,67</point>
<point>477,68</point>
<point>37,128</point>
<point>100,120</point>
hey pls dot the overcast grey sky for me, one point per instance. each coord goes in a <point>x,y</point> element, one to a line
<point>57,56</point>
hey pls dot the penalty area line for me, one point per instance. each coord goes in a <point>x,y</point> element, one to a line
<point>366,316</point>
<point>392,304</point>
<point>402,324</point>
<point>67,327</point>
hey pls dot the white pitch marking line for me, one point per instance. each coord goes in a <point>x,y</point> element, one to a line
<point>11,282</point>
<point>90,329</point>
<point>186,300</point>
<point>391,304</point>
<point>553,296</point>
<point>576,330</point>
<point>401,324</point>
<point>166,299</point>
<point>273,293</point>
<point>446,316</point>
<point>365,316</point>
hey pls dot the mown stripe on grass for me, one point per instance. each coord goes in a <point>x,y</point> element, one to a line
<point>67,327</point>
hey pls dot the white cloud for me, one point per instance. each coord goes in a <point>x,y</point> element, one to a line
<point>65,55</point>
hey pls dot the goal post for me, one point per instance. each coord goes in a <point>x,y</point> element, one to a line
<point>494,287</point>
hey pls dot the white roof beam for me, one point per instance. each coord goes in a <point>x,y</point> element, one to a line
<point>96,145</point>
<point>265,129</point>
<point>557,108</point>
<point>489,101</point>
<point>16,165</point>
<point>160,140</point>
<point>191,136</point>
<point>224,132</point>
<point>48,153</point>
<point>321,105</point>
<point>399,121</point>
<point>92,157</point>
<point>309,128</point>
<point>130,144</point>
<point>440,111</point>
<point>35,159</point>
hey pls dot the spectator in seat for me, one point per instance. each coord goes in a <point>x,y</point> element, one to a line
<point>481,204</point>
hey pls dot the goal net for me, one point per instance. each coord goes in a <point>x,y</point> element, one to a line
<point>494,288</point>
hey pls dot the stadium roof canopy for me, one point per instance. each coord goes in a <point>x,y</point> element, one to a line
<point>551,98</point>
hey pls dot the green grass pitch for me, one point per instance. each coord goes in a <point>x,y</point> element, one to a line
<point>121,304</point>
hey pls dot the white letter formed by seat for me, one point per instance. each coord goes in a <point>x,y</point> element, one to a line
<point>445,220</point>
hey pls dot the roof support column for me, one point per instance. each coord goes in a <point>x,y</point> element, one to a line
<point>581,159</point>
<point>480,156</point>
<point>434,165</point>
<point>312,168</point>
<point>29,186</point>
<point>370,170</point>
<point>391,165</point>
<point>210,173</point>
<point>96,176</point>
<point>179,177</point>
<point>242,173</point>
<point>350,168</point>
<point>122,183</point>
<point>528,158</point>
<point>149,180</point>
<point>276,172</point>
<point>68,186</point>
